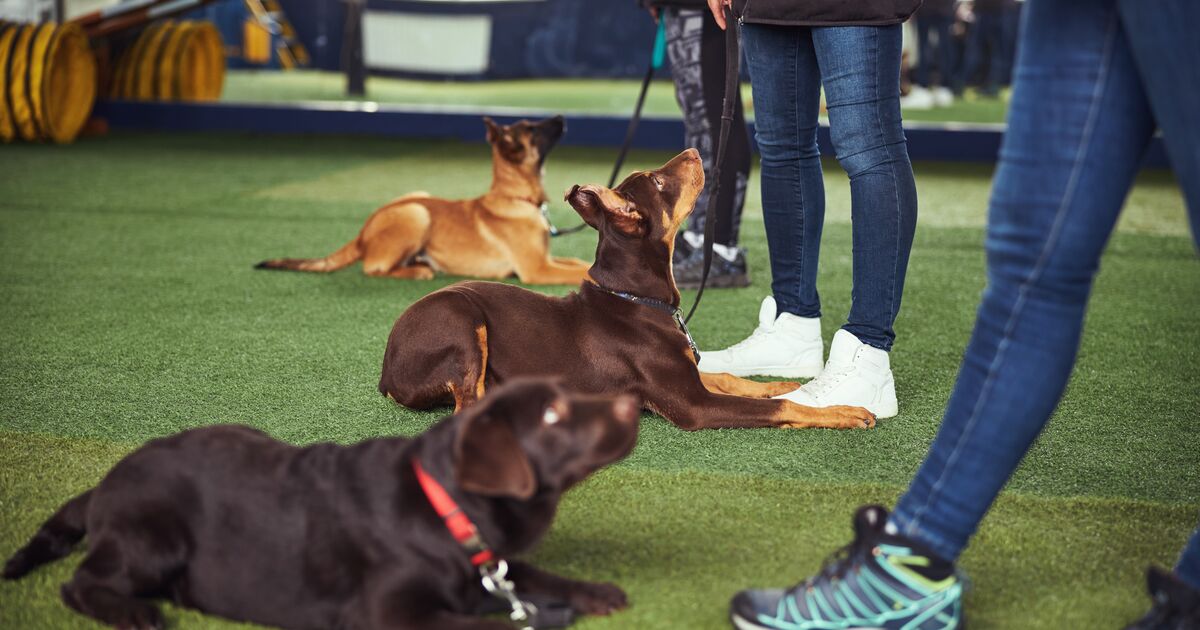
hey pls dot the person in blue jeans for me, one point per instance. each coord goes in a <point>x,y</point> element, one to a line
<point>1093,82</point>
<point>936,49</point>
<point>858,63</point>
<point>987,30</point>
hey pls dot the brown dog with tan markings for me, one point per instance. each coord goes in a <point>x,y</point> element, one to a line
<point>497,235</point>
<point>618,333</point>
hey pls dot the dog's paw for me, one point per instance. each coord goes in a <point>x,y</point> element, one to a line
<point>590,598</point>
<point>838,417</point>
<point>17,566</point>
<point>852,417</point>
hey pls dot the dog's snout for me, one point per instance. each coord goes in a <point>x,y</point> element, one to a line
<point>626,408</point>
<point>692,154</point>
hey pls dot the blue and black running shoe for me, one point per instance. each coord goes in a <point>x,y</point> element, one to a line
<point>880,581</point>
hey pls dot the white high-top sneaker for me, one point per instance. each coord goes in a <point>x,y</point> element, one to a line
<point>857,375</point>
<point>917,98</point>
<point>943,97</point>
<point>787,346</point>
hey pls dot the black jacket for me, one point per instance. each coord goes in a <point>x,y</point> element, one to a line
<point>825,12</point>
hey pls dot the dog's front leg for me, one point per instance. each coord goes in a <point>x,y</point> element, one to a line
<point>533,263</point>
<point>552,271</point>
<point>586,598</point>
<point>691,406</point>
<point>725,383</point>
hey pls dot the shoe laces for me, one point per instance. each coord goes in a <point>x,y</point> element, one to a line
<point>829,378</point>
<point>838,563</point>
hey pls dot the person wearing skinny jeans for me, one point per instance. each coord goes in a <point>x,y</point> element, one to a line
<point>696,49</point>
<point>988,30</point>
<point>936,48</point>
<point>1093,82</point>
<point>855,54</point>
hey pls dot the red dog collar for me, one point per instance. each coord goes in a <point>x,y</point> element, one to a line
<point>461,527</point>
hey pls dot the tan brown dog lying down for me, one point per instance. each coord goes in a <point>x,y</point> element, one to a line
<point>497,235</point>
<point>620,332</point>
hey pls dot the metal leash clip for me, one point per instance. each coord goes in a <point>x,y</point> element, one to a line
<point>682,324</point>
<point>554,230</point>
<point>493,575</point>
<point>545,208</point>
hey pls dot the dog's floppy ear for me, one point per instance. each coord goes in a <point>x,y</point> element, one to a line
<point>488,458</point>
<point>597,203</point>
<point>493,130</point>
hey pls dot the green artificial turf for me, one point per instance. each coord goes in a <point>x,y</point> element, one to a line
<point>595,96</point>
<point>131,311</point>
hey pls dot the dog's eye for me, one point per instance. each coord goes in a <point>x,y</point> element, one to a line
<point>658,181</point>
<point>550,416</point>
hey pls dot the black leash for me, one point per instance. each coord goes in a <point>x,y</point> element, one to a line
<point>733,57</point>
<point>656,62</point>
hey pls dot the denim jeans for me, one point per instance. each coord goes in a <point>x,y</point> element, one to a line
<point>1093,80</point>
<point>932,26</point>
<point>988,30</point>
<point>860,69</point>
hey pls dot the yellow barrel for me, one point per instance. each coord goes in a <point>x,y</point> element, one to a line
<point>215,49</point>
<point>37,74</point>
<point>192,66</point>
<point>18,83</point>
<point>70,89</point>
<point>47,81</point>
<point>8,34</point>
<point>149,62</point>
<point>127,83</point>
<point>172,61</point>
<point>166,88</point>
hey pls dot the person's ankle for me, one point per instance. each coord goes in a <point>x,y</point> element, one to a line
<point>939,568</point>
<point>797,327</point>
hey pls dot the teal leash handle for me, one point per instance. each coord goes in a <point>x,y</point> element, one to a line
<point>660,45</point>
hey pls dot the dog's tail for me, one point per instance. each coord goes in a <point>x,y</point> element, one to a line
<point>56,538</point>
<point>347,255</point>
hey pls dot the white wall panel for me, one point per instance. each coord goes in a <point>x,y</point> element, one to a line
<point>418,42</point>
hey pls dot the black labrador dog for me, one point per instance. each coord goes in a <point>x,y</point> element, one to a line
<point>229,521</point>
